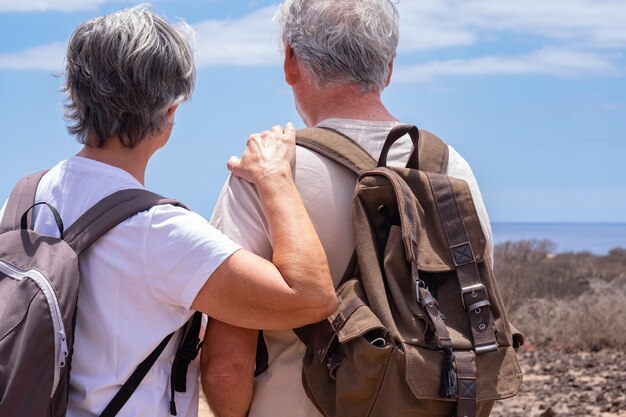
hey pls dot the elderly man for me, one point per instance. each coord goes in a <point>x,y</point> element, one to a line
<point>125,76</point>
<point>338,58</point>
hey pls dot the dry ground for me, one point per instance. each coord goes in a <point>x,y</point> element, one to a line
<point>569,384</point>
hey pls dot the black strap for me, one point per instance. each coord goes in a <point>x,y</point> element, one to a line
<point>57,217</point>
<point>262,355</point>
<point>134,380</point>
<point>187,351</point>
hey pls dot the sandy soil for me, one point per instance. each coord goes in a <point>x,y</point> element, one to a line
<point>562,383</point>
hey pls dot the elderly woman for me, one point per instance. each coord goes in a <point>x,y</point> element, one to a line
<point>126,74</point>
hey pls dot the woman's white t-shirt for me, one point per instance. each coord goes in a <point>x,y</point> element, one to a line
<point>137,285</point>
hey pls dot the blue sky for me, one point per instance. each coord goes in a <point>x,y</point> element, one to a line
<point>532,93</point>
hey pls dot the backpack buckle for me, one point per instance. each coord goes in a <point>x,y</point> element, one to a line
<point>472,290</point>
<point>491,347</point>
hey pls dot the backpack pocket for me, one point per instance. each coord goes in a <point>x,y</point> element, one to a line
<point>14,314</point>
<point>347,355</point>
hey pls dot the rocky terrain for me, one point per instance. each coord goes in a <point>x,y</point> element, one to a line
<point>567,383</point>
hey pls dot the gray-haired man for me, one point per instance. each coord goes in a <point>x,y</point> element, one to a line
<point>338,58</point>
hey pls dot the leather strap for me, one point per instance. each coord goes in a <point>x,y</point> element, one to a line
<point>433,153</point>
<point>474,294</point>
<point>467,389</point>
<point>347,309</point>
<point>430,154</point>
<point>396,133</point>
<point>336,146</point>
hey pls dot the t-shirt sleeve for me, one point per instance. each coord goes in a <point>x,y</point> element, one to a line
<point>239,214</point>
<point>182,250</point>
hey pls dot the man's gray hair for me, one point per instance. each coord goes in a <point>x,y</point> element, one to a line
<point>123,72</point>
<point>342,41</point>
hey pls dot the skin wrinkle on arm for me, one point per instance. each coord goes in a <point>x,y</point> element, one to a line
<point>227,368</point>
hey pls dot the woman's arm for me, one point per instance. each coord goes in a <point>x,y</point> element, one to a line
<point>295,288</point>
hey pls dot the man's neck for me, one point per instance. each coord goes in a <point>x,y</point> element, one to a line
<point>343,102</point>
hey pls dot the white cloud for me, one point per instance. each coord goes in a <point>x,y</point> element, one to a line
<point>546,62</point>
<point>45,57</point>
<point>572,37</point>
<point>48,5</point>
<point>430,24</point>
<point>247,41</point>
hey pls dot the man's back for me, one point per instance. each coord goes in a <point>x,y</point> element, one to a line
<point>326,189</point>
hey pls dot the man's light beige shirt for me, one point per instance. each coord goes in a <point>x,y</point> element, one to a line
<point>326,189</point>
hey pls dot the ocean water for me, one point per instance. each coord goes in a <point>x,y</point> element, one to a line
<point>597,238</point>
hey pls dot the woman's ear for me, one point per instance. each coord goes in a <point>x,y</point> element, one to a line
<point>171,114</point>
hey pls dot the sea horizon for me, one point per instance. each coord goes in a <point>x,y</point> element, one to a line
<point>595,237</point>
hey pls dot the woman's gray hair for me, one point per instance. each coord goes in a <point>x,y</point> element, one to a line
<point>342,41</point>
<point>123,72</point>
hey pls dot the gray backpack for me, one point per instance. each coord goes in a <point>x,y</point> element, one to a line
<point>39,284</point>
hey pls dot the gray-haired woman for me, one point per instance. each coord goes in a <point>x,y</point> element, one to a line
<point>126,74</point>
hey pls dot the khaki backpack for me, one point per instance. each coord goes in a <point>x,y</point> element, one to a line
<point>39,285</point>
<point>421,328</point>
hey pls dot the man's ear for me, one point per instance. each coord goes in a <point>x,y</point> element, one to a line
<point>292,70</point>
<point>389,74</point>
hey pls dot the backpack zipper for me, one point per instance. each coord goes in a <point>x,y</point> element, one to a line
<point>60,347</point>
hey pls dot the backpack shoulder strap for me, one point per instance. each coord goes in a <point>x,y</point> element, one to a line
<point>94,223</point>
<point>108,213</point>
<point>336,146</point>
<point>22,197</point>
<point>432,153</point>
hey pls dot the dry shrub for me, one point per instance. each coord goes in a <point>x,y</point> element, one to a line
<point>594,320</point>
<point>529,269</point>
<point>575,300</point>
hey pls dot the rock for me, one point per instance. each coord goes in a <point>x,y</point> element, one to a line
<point>548,413</point>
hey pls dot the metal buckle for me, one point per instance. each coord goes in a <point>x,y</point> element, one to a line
<point>493,347</point>
<point>471,289</point>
